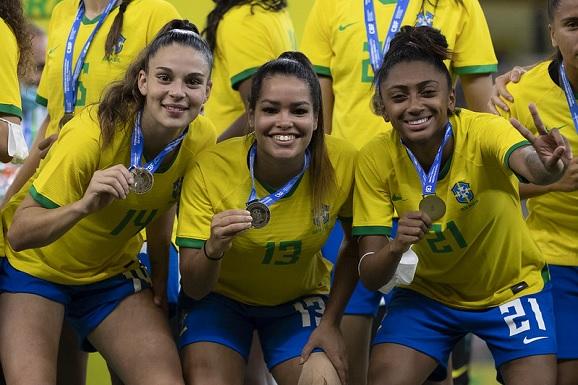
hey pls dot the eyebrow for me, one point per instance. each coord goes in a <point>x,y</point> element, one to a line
<point>167,69</point>
<point>293,104</point>
<point>420,84</point>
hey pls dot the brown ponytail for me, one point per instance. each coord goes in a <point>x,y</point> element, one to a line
<point>115,30</point>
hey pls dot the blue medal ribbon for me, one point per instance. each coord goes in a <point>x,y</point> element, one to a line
<point>70,79</point>
<point>137,145</point>
<point>283,191</point>
<point>569,96</point>
<point>375,52</point>
<point>429,180</point>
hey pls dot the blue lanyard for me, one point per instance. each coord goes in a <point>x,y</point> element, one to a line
<point>429,180</point>
<point>283,191</point>
<point>70,79</point>
<point>375,52</point>
<point>569,96</point>
<point>137,146</point>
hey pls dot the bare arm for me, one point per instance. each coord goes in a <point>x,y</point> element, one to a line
<point>545,161</point>
<point>568,183</point>
<point>477,91</point>
<point>328,99</point>
<point>200,267</point>
<point>381,256</point>
<point>159,234</point>
<point>36,226</point>
<point>240,126</point>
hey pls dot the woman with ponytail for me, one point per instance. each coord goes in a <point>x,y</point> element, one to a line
<point>449,175</point>
<point>72,247</point>
<point>257,211</point>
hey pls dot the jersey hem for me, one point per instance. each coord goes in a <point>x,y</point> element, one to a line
<point>244,75</point>
<point>45,202</point>
<point>10,109</point>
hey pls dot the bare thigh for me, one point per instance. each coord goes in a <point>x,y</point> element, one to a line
<point>394,364</point>
<point>208,363</point>
<point>30,328</point>
<point>356,330</point>
<point>533,370</point>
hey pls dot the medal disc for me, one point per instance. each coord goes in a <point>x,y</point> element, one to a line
<point>143,180</point>
<point>433,206</point>
<point>260,214</point>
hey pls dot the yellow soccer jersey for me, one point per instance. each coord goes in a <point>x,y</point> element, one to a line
<point>336,42</point>
<point>283,260</point>
<point>106,242</point>
<point>10,103</point>
<point>247,36</point>
<point>142,20</point>
<point>553,217</point>
<point>481,248</point>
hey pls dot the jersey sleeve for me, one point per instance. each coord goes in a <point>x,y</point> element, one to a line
<point>474,52</point>
<point>372,206</point>
<point>162,13</point>
<point>10,103</point>
<point>69,167</point>
<point>195,210</point>
<point>45,83</point>
<point>316,40</point>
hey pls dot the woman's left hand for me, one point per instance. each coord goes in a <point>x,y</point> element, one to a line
<point>328,337</point>
<point>552,148</point>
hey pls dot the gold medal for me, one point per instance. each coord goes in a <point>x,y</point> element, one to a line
<point>143,180</point>
<point>433,206</point>
<point>260,214</point>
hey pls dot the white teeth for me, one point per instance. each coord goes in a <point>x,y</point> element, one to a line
<point>174,108</point>
<point>419,121</point>
<point>283,138</point>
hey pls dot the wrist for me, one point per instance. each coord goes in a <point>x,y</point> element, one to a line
<point>210,254</point>
<point>80,208</point>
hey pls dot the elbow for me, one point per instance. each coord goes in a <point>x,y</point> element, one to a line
<point>371,285</point>
<point>16,240</point>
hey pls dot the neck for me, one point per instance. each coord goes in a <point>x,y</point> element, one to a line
<point>426,152</point>
<point>93,8</point>
<point>572,74</point>
<point>276,172</point>
<point>156,137</point>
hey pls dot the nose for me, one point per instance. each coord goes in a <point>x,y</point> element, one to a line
<point>415,106</point>
<point>284,120</point>
<point>176,90</point>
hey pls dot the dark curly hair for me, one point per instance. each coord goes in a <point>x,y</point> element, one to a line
<point>223,6</point>
<point>11,12</point>
<point>410,44</point>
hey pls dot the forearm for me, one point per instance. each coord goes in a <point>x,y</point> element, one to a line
<point>199,274</point>
<point>529,190</point>
<point>159,235</point>
<point>378,268</point>
<point>35,226</point>
<point>328,99</point>
<point>477,91</point>
<point>537,172</point>
<point>344,282</point>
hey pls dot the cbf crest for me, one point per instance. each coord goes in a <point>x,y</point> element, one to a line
<point>424,19</point>
<point>463,192</point>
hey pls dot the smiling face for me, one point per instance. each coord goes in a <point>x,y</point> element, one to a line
<point>175,86</point>
<point>284,118</point>
<point>416,99</point>
<point>564,32</point>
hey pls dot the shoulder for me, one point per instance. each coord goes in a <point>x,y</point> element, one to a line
<point>339,148</point>
<point>465,120</point>
<point>536,79</point>
<point>7,36</point>
<point>201,134</point>
<point>83,129</point>
<point>225,157</point>
<point>65,8</point>
<point>152,6</point>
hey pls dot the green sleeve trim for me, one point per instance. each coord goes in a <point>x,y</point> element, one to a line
<point>345,219</point>
<point>10,109</point>
<point>44,201</point>
<point>246,74</point>
<point>191,243</point>
<point>523,143</point>
<point>470,70</point>
<point>322,71</point>
<point>371,230</point>
<point>42,101</point>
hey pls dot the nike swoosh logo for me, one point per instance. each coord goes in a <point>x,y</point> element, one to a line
<point>343,27</point>
<point>530,340</point>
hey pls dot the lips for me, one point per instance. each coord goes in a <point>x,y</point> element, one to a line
<point>175,108</point>
<point>284,137</point>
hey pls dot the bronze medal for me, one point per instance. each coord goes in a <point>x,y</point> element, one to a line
<point>433,206</point>
<point>260,214</point>
<point>143,180</point>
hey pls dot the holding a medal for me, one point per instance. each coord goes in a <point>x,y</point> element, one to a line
<point>77,231</point>
<point>256,212</point>
<point>447,173</point>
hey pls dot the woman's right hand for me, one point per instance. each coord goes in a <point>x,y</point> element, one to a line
<point>501,93</point>
<point>224,227</point>
<point>411,228</point>
<point>105,186</point>
<point>569,181</point>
